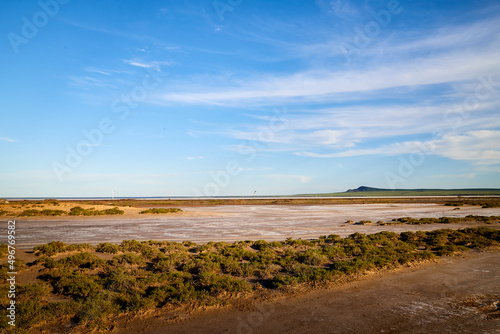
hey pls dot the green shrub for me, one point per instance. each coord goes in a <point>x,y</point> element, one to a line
<point>113,211</point>
<point>161,210</point>
<point>48,212</point>
<point>312,257</point>
<point>79,211</point>
<point>52,248</point>
<point>447,250</point>
<point>79,285</point>
<point>30,213</point>
<point>33,291</point>
<point>6,213</point>
<point>128,258</point>
<point>94,312</point>
<point>133,301</point>
<point>217,285</point>
<point>47,262</point>
<point>282,280</point>
<point>82,260</point>
<point>79,247</point>
<point>364,222</point>
<point>131,246</point>
<point>31,310</point>
<point>260,244</point>
<point>107,247</point>
<point>120,280</point>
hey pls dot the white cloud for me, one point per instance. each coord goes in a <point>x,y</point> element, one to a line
<point>9,140</point>
<point>447,54</point>
<point>316,85</point>
<point>481,146</point>
<point>347,127</point>
<point>147,64</point>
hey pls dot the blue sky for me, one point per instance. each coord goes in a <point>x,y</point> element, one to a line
<point>182,98</point>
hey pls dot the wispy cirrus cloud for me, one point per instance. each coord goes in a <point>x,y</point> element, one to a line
<point>323,86</point>
<point>9,140</point>
<point>480,146</point>
<point>448,55</point>
<point>146,63</point>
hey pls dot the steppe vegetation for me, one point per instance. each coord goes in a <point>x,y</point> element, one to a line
<point>88,285</point>
<point>441,220</point>
<point>161,210</point>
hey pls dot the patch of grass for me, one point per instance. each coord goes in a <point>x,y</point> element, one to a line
<point>107,247</point>
<point>93,313</point>
<point>79,285</point>
<point>46,212</point>
<point>161,210</point>
<point>490,203</point>
<point>447,220</point>
<point>81,260</point>
<point>79,211</point>
<point>52,248</point>
<point>6,213</point>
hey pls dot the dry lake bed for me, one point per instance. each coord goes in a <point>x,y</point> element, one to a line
<point>237,222</point>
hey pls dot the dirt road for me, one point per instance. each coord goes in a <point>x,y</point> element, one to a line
<point>426,299</point>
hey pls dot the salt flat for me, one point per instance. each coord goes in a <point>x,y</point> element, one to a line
<point>238,222</point>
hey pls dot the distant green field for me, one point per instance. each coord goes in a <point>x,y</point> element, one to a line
<point>416,192</point>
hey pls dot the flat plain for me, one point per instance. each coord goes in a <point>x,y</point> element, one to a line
<point>238,222</point>
<point>309,265</point>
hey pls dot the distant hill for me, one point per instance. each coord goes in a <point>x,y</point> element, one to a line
<point>365,191</point>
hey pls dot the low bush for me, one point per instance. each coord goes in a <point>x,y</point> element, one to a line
<point>107,247</point>
<point>82,260</point>
<point>6,213</point>
<point>79,211</point>
<point>79,285</point>
<point>128,258</point>
<point>94,312</point>
<point>113,211</point>
<point>46,212</point>
<point>161,210</point>
<point>217,285</point>
<point>79,247</point>
<point>52,248</point>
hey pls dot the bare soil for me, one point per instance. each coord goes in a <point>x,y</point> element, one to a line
<point>454,295</point>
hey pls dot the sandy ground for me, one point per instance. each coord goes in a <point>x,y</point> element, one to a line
<point>232,223</point>
<point>425,299</point>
